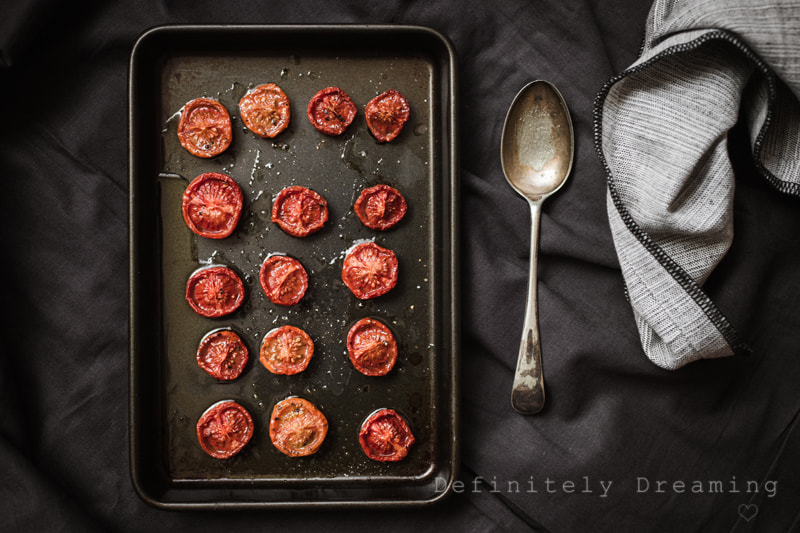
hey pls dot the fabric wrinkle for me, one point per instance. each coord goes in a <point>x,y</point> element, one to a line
<point>663,133</point>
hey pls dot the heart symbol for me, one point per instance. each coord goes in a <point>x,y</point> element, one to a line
<point>748,512</point>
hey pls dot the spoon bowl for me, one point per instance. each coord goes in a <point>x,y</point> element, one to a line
<point>536,152</point>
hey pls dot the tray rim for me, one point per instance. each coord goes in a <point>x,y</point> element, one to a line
<point>450,233</point>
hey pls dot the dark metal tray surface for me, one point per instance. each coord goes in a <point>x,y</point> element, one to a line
<point>171,65</point>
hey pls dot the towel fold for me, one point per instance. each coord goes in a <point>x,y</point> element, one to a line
<point>661,130</point>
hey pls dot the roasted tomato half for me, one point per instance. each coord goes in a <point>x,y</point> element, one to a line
<point>297,428</point>
<point>331,111</point>
<point>224,429</point>
<point>369,270</point>
<point>299,211</point>
<point>380,207</point>
<point>385,436</point>
<point>265,110</point>
<point>214,291</point>
<point>283,279</point>
<point>205,127</point>
<point>286,350</point>
<point>222,354</point>
<point>386,114</point>
<point>372,347</point>
<point>212,205</point>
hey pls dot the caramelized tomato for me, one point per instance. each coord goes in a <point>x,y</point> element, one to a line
<point>265,110</point>
<point>370,270</point>
<point>222,354</point>
<point>212,205</point>
<point>297,428</point>
<point>372,347</point>
<point>299,211</point>
<point>214,291</point>
<point>331,111</point>
<point>385,436</point>
<point>286,350</point>
<point>224,429</point>
<point>205,127</point>
<point>386,114</point>
<point>380,207</point>
<point>283,279</point>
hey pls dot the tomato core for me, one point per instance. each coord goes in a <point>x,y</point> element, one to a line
<point>370,270</point>
<point>283,279</point>
<point>385,436</point>
<point>299,211</point>
<point>372,347</point>
<point>224,429</point>
<point>386,114</point>
<point>212,205</point>
<point>286,350</point>
<point>331,111</point>
<point>204,128</point>
<point>265,110</point>
<point>214,291</point>
<point>222,354</point>
<point>297,427</point>
<point>380,207</point>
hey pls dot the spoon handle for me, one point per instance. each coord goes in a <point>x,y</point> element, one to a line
<point>527,394</point>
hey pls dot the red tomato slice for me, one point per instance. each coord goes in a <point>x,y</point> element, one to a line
<point>224,429</point>
<point>297,428</point>
<point>222,354</point>
<point>214,291</point>
<point>299,211</point>
<point>372,347</point>
<point>370,270</point>
<point>380,207</point>
<point>386,114</point>
<point>212,205</point>
<point>205,127</point>
<point>265,110</point>
<point>331,111</point>
<point>385,436</point>
<point>286,350</point>
<point>283,279</point>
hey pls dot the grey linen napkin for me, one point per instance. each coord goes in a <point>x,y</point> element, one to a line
<point>661,131</point>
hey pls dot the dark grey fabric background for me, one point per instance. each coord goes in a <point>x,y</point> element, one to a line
<point>614,426</point>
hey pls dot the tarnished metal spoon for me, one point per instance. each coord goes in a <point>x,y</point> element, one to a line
<point>536,154</point>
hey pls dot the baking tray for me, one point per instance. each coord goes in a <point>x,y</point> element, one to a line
<point>171,65</point>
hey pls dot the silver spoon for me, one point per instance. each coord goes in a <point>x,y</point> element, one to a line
<point>536,154</point>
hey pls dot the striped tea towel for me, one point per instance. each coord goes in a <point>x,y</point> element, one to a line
<point>661,132</point>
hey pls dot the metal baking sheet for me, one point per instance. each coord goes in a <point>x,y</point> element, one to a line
<point>171,65</point>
